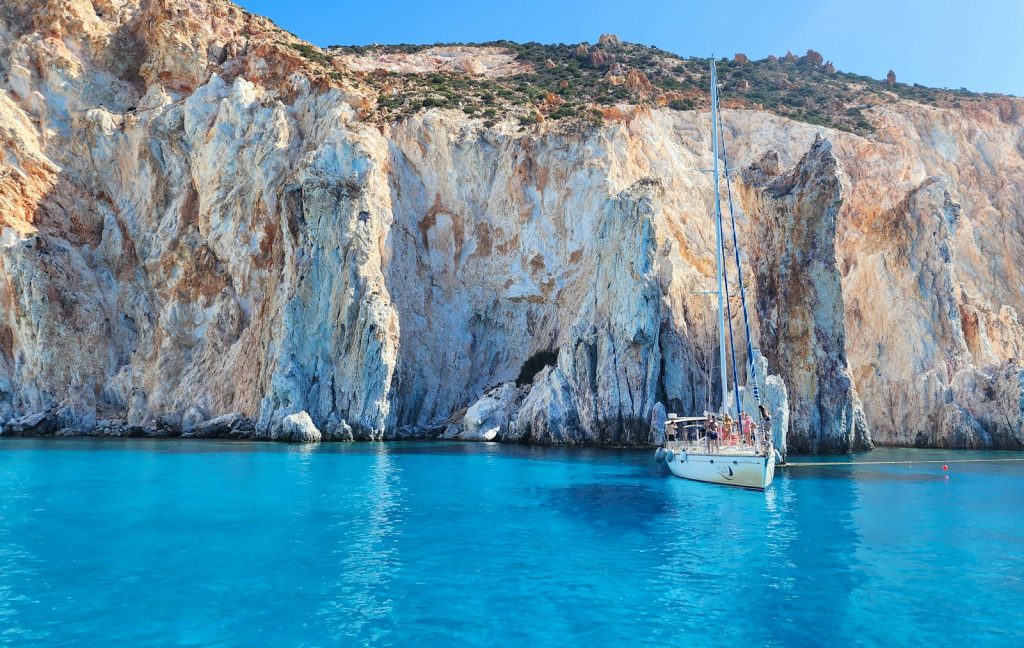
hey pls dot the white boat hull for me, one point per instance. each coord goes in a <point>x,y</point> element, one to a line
<point>747,471</point>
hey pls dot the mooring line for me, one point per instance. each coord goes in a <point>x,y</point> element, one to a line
<point>899,463</point>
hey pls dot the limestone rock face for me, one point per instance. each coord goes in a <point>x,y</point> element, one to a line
<point>991,405</point>
<point>197,222</point>
<point>800,299</point>
<point>605,385</point>
<point>936,352</point>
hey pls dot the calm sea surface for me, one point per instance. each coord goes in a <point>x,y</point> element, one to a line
<point>206,543</point>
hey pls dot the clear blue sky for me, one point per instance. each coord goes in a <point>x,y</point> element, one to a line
<point>977,44</point>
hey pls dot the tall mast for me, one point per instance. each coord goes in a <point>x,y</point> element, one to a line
<point>719,238</point>
<point>739,273</point>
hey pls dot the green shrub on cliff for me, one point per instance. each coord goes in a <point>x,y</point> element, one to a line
<point>311,53</point>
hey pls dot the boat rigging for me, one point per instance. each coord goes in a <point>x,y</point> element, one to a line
<point>716,447</point>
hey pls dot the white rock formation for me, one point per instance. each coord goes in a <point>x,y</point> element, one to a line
<point>606,382</point>
<point>296,428</point>
<point>488,418</point>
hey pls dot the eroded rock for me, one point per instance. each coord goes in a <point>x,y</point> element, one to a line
<point>605,385</point>
<point>229,426</point>
<point>296,428</point>
<point>488,419</point>
<point>800,301</point>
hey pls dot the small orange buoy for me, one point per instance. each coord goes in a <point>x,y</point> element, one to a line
<point>945,467</point>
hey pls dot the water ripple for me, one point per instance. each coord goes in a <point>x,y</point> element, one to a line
<point>210,543</point>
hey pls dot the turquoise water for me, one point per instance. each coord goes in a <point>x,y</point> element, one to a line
<point>209,543</point>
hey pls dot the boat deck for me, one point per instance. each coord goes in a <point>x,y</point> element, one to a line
<point>725,449</point>
<point>682,427</point>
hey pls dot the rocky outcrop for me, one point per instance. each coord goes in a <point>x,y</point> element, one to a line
<point>800,300</point>
<point>605,385</point>
<point>993,401</point>
<point>934,354</point>
<point>38,424</point>
<point>488,419</point>
<point>228,426</point>
<point>202,234</point>
<point>296,428</point>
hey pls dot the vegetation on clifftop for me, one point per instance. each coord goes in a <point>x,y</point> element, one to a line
<point>579,81</point>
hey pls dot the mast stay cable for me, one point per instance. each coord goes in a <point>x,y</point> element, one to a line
<point>739,266</point>
<point>723,274</point>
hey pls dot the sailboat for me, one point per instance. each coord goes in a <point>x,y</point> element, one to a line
<point>708,448</point>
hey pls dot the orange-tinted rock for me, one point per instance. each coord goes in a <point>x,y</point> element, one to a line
<point>638,82</point>
<point>796,216</point>
<point>599,58</point>
<point>552,101</point>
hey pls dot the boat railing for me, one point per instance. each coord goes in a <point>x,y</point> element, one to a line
<point>689,435</point>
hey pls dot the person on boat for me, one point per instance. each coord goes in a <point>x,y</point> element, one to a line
<point>727,428</point>
<point>748,429</point>
<point>766,425</point>
<point>714,434</point>
<point>670,430</point>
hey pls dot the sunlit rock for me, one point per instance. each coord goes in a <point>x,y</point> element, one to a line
<point>296,428</point>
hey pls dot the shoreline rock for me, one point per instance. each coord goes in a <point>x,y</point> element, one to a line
<point>296,428</point>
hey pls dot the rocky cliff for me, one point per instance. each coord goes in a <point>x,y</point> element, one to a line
<point>799,295</point>
<point>210,228</point>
